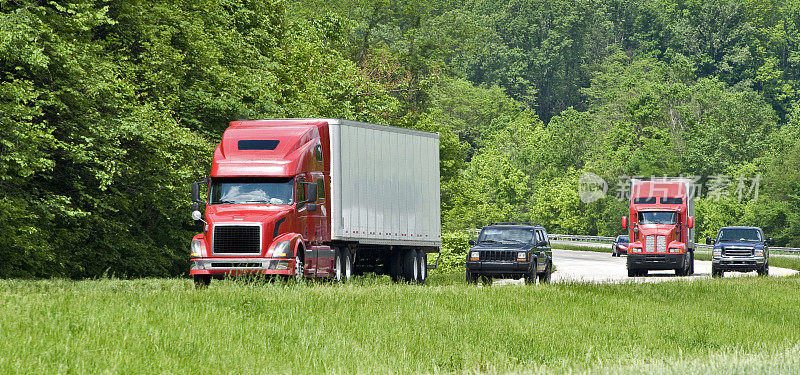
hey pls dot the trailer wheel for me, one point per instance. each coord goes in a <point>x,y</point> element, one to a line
<point>423,266</point>
<point>202,281</point>
<point>411,266</point>
<point>395,265</point>
<point>347,264</point>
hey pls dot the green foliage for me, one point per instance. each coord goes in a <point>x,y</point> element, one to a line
<point>455,246</point>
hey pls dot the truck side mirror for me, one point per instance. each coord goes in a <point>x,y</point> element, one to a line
<point>196,190</point>
<point>690,224</point>
<point>311,192</point>
<point>625,222</point>
<point>472,242</point>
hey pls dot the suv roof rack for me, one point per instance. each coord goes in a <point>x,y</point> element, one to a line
<point>516,223</point>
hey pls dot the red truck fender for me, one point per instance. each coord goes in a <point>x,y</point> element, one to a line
<point>295,240</point>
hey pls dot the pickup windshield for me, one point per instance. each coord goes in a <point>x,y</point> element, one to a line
<point>739,234</point>
<point>658,217</point>
<point>254,190</point>
<point>506,235</point>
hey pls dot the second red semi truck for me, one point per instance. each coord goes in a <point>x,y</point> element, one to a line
<point>661,226</point>
<point>323,198</point>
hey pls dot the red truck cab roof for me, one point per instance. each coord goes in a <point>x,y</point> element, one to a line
<point>277,148</point>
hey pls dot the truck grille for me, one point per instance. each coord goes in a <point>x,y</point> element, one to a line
<point>237,239</point>
<point>498,255</point>
<point>736,252</point>
<point>650,244</point>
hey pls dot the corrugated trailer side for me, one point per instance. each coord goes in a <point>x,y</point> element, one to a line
<point>384,184</point>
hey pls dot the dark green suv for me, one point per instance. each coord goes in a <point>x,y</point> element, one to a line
<point>510,250</point>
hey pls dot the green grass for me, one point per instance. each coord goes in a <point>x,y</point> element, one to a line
<point>374,326</point>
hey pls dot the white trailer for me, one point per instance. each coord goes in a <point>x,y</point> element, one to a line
<point>384,185</point>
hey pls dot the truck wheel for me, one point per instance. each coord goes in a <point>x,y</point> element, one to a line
<point>337,265</point>
<point>423,266</point>
<point>716,272</point>
<point>683,271</point>
<point>472,278</point>
<point>764,271</point>
<point>202,281</point>
<point>298,267</point>
<point>544,277</point>
<point>410,266</point>
<point>691,263</point>
<point>347,264</point>
<point>632,272</point>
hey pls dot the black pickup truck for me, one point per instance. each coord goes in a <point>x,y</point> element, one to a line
<point>510,250</point>
<point>742,249</point>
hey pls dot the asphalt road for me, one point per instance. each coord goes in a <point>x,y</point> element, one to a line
<point>590,266</point>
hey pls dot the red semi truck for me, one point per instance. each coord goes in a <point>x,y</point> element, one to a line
<point>661,226</point>
<point>324,198</point>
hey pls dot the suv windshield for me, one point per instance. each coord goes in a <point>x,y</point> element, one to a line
<point>739,234</point>
<point>506,235</point>
<point>657,217</point>
<point>262,190</point>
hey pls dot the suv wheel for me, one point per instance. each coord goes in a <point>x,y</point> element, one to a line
<point>544,277</point>
<point>716,272</point>
<point>472,278</point>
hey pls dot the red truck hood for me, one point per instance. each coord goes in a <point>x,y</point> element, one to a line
<point>656,229</point>
<point>251,213</point>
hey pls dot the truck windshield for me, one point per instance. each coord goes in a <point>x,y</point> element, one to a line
<point>257,190</point>
<point>506,235</point>
<point>739,234</point>
<point>658,217</point>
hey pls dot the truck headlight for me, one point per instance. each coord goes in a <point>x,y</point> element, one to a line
<point>280,250</point>
<point>522,256</point>
<point>473,255</point>
<point>674,250</point>
<point>195,249</point>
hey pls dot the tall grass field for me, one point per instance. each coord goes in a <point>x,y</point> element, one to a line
<point>733,325</point>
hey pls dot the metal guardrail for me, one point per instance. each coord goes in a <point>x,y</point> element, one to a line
<point>609,240</point>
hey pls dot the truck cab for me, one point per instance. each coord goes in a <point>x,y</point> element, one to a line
<point>741,249</point>
<point>510,250</point>
<point>661,227</point>
<point>267,210</point>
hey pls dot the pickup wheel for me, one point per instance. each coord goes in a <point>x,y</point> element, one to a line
<point>764,271</point>
<point>544,277</point>
<point>202,281</point>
